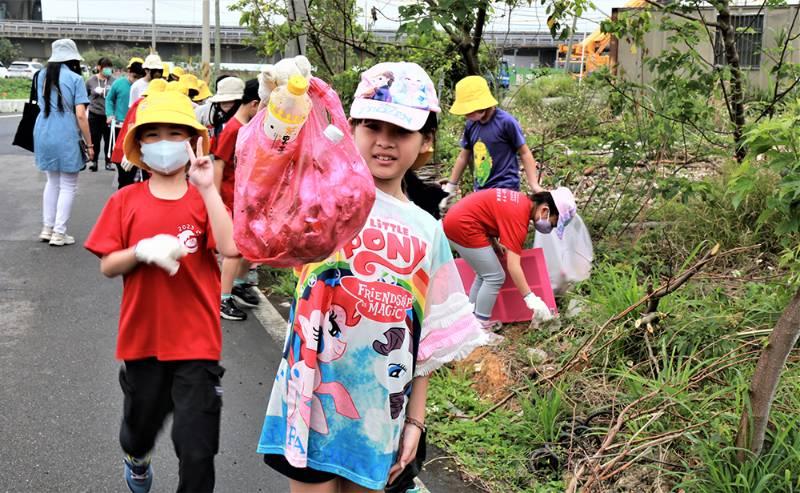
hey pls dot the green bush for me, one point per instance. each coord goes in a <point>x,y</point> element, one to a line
<point>15,88</point>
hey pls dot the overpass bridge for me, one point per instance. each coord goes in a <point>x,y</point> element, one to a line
<point>35,38</point>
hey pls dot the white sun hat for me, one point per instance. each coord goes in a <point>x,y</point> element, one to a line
<point>64,50</point>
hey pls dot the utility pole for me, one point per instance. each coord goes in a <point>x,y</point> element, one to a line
<point>569,43</point>
<point>78,10</point>
<point>153,27</point>
<point>297,13</point>
<point>205,53</point>
<point>217,34</point>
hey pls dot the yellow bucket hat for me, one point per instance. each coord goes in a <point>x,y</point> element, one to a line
<point>177,71</point>
<point>203,91</point>
<point>154,86</point>
<point>133,60</point>
<point>178,87</point>
<point>472,94</point>
<point>162,107</point>
<point>190,81</point>
<point>165,72</point>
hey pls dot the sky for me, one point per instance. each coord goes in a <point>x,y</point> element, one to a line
<point>525,18</point>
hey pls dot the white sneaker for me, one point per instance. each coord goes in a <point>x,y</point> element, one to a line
<point>46,234</point>
<point>61,239</point>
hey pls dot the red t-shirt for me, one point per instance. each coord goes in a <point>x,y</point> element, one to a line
<point>224,148</point>
<point>167,317</point>
<point>492,213</point>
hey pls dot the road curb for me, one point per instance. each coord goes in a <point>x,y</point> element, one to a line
<point>275,325</point>
<point>12,105</point>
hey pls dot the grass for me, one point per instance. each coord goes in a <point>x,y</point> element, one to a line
<point>15,88</point>
<point>690,371</point>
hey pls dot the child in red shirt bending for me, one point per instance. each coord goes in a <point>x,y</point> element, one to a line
<point>236,291</point>
<point>476,220</point>
<point>160,235</point>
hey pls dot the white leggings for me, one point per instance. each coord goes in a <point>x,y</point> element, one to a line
<point>58,195</point>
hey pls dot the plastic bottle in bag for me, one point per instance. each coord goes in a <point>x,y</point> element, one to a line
<point>287,111</point>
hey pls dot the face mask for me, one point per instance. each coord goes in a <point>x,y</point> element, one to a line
<point>543,225</point>
<point>107,72</point>
<point>165,156</point>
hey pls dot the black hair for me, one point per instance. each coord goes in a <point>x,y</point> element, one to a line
<point>220,117</point>
<point>193,93</point>
<point>151,70</point>
<point>105,62</point>
<point>51,81</point>
<point>250,91</point>
<point>136,68</point>
<point>544,198</point>
<point>219,78</point>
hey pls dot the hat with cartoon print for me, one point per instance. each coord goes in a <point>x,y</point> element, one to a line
<point>400,93</point>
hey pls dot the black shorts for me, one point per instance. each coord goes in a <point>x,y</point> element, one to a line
<point>303,475</point>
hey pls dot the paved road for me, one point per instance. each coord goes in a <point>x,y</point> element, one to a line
<point>60,402</point>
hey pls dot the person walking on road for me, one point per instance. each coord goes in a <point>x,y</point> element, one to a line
<point>117,104</point>
<point>62,121</point>
<point>98,87</point>
<point>162,236</point>
<point>153,69</point>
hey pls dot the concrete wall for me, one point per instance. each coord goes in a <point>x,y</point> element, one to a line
<point>629,63</point>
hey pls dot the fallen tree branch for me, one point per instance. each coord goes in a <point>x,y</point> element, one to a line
<point>662,291</point>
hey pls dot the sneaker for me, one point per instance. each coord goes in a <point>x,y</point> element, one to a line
<point>229,311</point>
<point>93,167</point>
<point>61,239</point>
<point>46,234</point>
<point>138,474</point>
<point>491,325</point>
<point>244,296</point>
<point>109,167</point>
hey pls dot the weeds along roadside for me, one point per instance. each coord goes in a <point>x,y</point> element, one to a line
<point>653,207</point>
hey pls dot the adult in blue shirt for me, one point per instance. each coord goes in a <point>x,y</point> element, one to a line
<point>117,104</point>
<point>63,119</point>
<point>492,139</point>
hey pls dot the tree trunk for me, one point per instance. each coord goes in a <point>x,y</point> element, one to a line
<point>728,32</point>
<point>480,21</point>
<point>752,428</point>
<point>470,59</point>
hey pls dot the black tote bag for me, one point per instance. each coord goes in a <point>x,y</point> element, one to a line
<point>24,136</point>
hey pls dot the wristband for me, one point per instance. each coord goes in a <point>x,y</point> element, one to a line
<point>417,423</point>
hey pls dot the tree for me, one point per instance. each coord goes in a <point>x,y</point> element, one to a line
<point>462,20</point>
<point>335,37</point>
<point>9,51</point>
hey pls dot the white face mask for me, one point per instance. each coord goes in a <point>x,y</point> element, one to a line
<point>165,156</point>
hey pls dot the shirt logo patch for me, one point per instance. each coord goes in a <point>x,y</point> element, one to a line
<point>189,236</point>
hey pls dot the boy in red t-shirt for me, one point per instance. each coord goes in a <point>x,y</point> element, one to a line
<point>235,288</point>
<point>472,224</point>
<point>160,235</point>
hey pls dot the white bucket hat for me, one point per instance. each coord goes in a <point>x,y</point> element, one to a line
<point>64,50</point>
<point>229,89</point>
<point>153,62</point>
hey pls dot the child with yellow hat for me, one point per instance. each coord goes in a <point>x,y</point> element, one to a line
<point>492,140</point>
<point>117,105</point>
<point>161,236</point>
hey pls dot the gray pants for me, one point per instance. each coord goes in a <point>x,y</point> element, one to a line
<point>489,277</point>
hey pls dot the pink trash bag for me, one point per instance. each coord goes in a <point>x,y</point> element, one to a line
<point>300,202</point>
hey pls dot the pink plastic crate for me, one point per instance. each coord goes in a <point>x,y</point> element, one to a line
<point>510,307</point>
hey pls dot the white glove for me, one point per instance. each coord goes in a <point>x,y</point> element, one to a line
<point>540,310</point>
<point>161,250</point>
<point>126,165</point>
<point>450,190</point>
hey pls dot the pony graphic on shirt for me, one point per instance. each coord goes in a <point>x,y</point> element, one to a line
<point>398,350</point>
<point>316,339</point>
